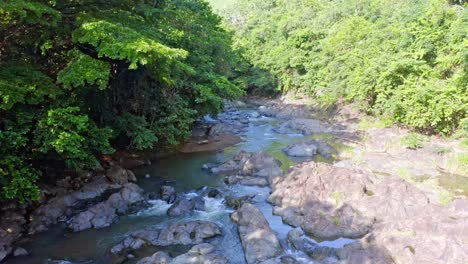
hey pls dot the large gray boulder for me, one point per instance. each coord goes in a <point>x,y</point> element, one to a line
<point>393,220</point>
<point>63,206</point>
<point>309,149</point>
<point>246,168</point>
<point>183,233</point>
<point>105,213</point>
<point>258,239</point>
<point>200,254</point>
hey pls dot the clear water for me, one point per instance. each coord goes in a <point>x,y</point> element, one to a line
<point>185,173</point>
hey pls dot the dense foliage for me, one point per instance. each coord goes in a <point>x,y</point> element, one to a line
<point>79,78</point>
<point>407,60</point>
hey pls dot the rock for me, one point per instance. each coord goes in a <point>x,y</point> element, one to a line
<point>246,168</point>
<point>198,203</point>
<point>301,150</point>
<point>159,257</point>
<point>119,175</point>
<point>105,213</point>
<point>288,260</point>
<point>19,251</point>
<point>258,239</point>
<point>200,254</point>
<point>307,126</point>
<point>203,142</point>
<point>312,197</point>
<point>237,202</point>
<point>63,206</point>
<point>396,220</point>
<point>168,194</point>
<point>181,207</point>
<point>246,180</point>
<point>300,242</point>
<point>182,233</point>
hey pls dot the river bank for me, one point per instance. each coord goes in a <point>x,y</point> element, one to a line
<point>333,210</point>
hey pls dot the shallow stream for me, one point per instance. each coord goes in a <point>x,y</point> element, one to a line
<point>185,173</point>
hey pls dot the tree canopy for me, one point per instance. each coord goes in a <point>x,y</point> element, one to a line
<point>406,60</point>
<point>79,78</point>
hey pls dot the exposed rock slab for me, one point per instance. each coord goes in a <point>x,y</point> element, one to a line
<point>397,220</point>
<point>258,239</point>
<point>183,233</point>
<point>249,169</point>
<point>105,213</point>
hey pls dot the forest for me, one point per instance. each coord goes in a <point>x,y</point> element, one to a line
<point>403,60</point>
<point>80,79</point>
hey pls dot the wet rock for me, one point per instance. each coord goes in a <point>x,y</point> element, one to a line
<point>63,206</point>
<point>168,194</point>
<point>250,169</point>
<point>300,242</point>
<point>200,254</point>
<point>288,260</point>
<point>237,202</point>
<point>198,203</point>
<point>181,207</point>
<point>258,239</point>
<point>246,180</point>
<point>159,257</point>
<point>182,233</point>
<point>20,252</point>
<point>105,213</point>
<point>119,175</point>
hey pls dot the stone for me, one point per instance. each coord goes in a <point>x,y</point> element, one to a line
<point>181,233</point>
<point>259,169</point>
<point>237,202</point>
<point>392,220</point>
<point>159,257</point>
<point>181,207</point>
<point>200,254</point>
<point>105,213</point>
<point>119,175</point>
<point>19,251</point>
<point>258,239</point>
<point>168,194</point>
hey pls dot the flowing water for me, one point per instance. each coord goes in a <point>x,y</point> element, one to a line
<point>185,174</point>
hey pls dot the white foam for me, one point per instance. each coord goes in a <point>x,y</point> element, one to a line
<point>159,207</point>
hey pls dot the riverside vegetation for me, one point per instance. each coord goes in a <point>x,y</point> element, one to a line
<point>369,138</point>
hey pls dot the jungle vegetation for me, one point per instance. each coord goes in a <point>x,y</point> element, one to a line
<point>80,79</point>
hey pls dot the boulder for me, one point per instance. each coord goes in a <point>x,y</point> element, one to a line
<point>182,233</point>
<point>63,206</point>
<point>302,149</point>
<point>159,257</point>
<point>119,175</point>
<point>237,202</point>
<point>200,254</point>
<point>168,194</point>
<point>258,239</point>
<point>105,213</point>
<point>302,243</point>
<point>20,252</point>
<point>309,149</point>
<point>246,168</point>
<point>393,220</point>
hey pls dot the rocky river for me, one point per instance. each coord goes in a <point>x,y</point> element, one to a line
<point>279,195</point>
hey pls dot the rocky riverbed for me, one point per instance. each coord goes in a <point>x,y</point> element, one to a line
<point>267,182</point>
